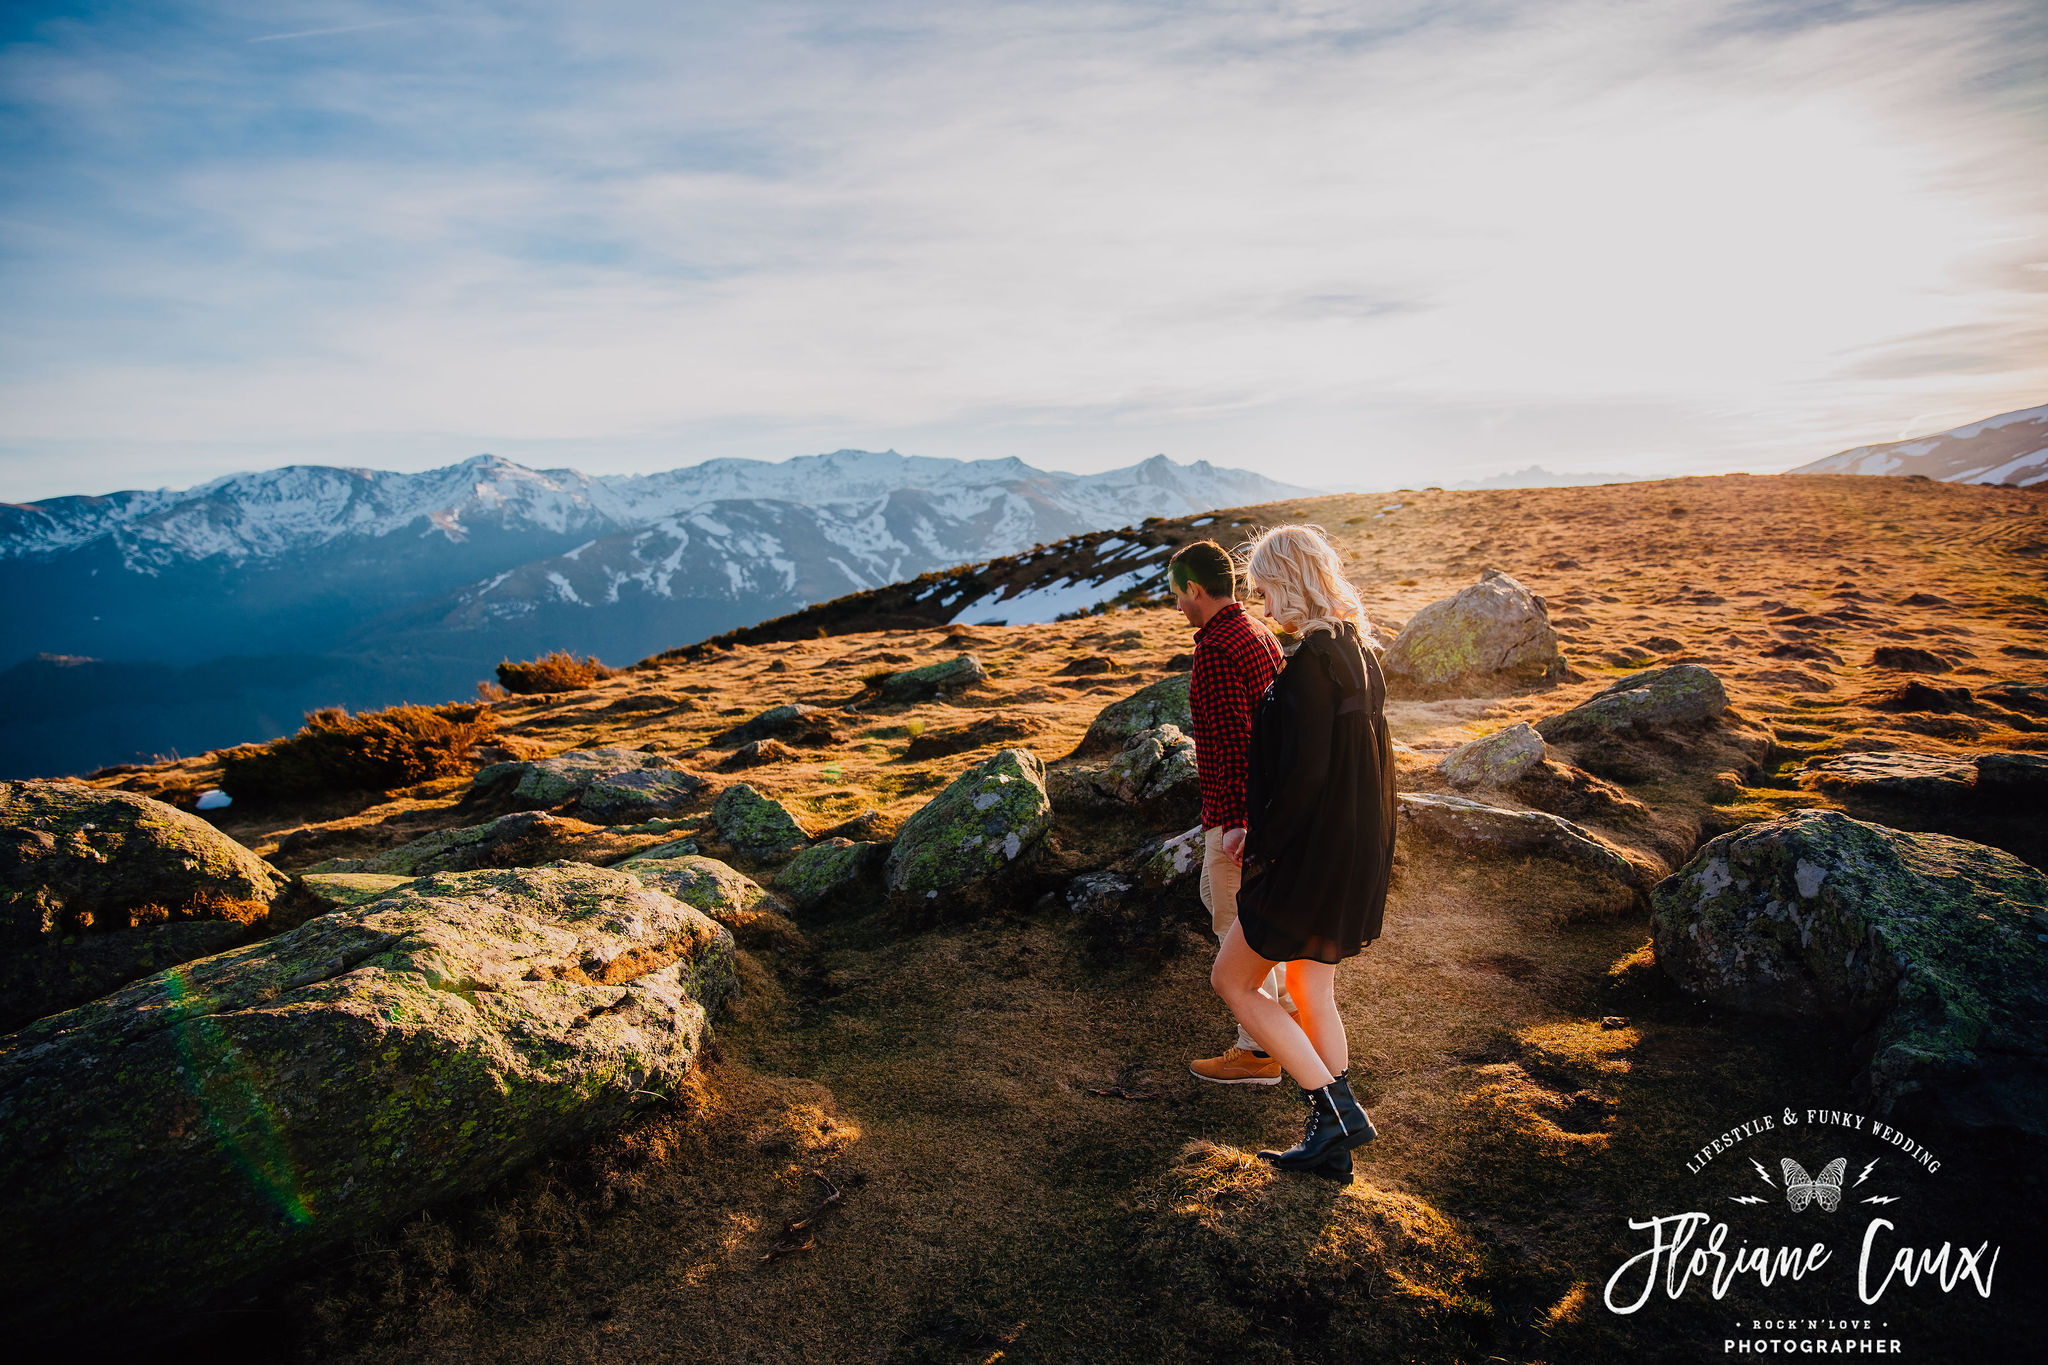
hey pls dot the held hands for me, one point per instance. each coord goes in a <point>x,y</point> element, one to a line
<point>1233,844</point>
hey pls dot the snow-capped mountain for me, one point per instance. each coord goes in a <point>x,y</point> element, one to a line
<point>2009,448</point>
<point>414,585</point>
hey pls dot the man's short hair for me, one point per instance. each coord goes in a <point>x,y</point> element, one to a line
<point>1205,564</point>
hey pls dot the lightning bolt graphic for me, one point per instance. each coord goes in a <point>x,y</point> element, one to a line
<point>1763,1174</point>
<point>1747,1199</point>
<point>1866,1172</point>
<point>1881,1199</point>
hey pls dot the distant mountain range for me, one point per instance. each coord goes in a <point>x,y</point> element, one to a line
<point>2009,448</point>
<point>139,623</point>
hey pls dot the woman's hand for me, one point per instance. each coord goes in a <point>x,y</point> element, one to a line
<point>1233,844</point>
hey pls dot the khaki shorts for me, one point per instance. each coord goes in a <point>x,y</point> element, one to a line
<point>1220,878</point>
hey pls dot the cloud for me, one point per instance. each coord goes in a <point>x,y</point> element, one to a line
<point>1321,239</point>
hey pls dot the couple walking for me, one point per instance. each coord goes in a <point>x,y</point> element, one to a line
<point>1297,777</point>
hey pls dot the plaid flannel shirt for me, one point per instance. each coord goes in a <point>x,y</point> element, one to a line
<point>1235,658</point>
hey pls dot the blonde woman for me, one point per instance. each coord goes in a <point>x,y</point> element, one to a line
<point>1319,842</point>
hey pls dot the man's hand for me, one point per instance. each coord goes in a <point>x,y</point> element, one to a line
<point>1233,844</point>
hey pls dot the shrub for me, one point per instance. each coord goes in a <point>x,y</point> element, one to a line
<point>374,751</point>
<point>560,671</point>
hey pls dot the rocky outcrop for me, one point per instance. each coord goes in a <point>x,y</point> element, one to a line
<point>1459,827</point>
<point>1893,774</point>
<point>1933,949</point>
<point>1162,703</point>
<point>795,723</point>
<point>1494,760</point>
<point>759,753</point>
<point>607,785</point>
<point>832,873</point>
<point>522,839</point>
<point>100,887</point>
<point>754,825</point>
<point>210,1124</point>
<point>1001,728</point>
<point>932,680</point>
<point>724,893</point>
<point>1675,696</point>
<point>1491,633</point>
<point>346,890</point>
<point>1154,776</point>
<point>966,847</point>
<point>1134,907</point>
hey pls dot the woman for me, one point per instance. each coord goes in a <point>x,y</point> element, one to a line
<point>1320,840</point>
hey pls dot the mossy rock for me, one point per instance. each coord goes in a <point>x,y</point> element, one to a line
<point>964,849</point>
<point>346,890</point>
<point>1162,703</point>
<point>1491,633</point>
<point>735,900</point>
<point>1494,760</point>
<point>1136,908</point>
<point>206,1127</point>
<point>755,825</point>
<point>1894,775</point>
<point>1463,829</point>
<point>832,872</point>
<point>100,887</point>
<point>794,723</point>
<point>1154,775</point>
<point>1934,949</point>
<point>1677,695</point>
<point>915,684</point>
<point>609,785</point>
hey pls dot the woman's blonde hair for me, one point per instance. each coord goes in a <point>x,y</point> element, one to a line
<point>1302,577</point>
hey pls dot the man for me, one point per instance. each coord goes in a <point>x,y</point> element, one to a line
<point>1235,657</point>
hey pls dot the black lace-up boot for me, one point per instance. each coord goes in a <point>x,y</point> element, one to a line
<point>1337,1122</point>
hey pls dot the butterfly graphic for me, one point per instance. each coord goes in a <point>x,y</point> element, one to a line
<point>1825,1188</point>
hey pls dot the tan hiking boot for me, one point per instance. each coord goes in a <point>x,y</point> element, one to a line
<point>1238,1067</point>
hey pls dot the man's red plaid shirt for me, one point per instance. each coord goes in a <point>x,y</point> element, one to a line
<point>1235,658</point>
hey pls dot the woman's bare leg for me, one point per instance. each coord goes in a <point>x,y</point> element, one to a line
<point>1314,988</point>
<point>1237,976</point>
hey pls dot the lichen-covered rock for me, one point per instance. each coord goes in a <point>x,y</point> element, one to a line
<point>754,825</point>
<point>1657,698</point>
<point>1893,775</point>
<point>211,1123</point>
<point>1154,775</point>
<point>345,890</point>
<point>523,839</point>
<point>1162,703</point>
<point>914,684</point>
<point>606,784</point>
<point>1494,760</point>
<point>831,871</point>
<point>1133,908</point>
<point>1462,828</point>
<point>961,849</point>
<point>795,723</point>
<point>1932,946</point>
<point>2016,780</point>
<point>101,887</point>
<point>726,894</point>
<point>1492,631</point>
<point>758,753</point>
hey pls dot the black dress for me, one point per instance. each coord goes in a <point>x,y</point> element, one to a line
<point>1319,845</point>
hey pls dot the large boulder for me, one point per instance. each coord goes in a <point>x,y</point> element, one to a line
<point>1494,760</point>
<point>522,839</point>
<point>1132,909</point>
<point>1675,696</point>
<point>795,723</point>
<point>963,849</point>
<point>1162,703</point>
<point>932,680</point>
<point>755,825</point>
<point>1492,632</point>
<point>1464,829</point>
<point>722,892</point>
<point>1933,949</point>
<point>1153,775</point>
<point>609,785</point>
<point>100,887</point>
<point>832,872</point>
<point>1898,775</point>
<point>205,1127</point>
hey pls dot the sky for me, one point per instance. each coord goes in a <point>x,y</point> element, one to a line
<point>1347,245</point>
